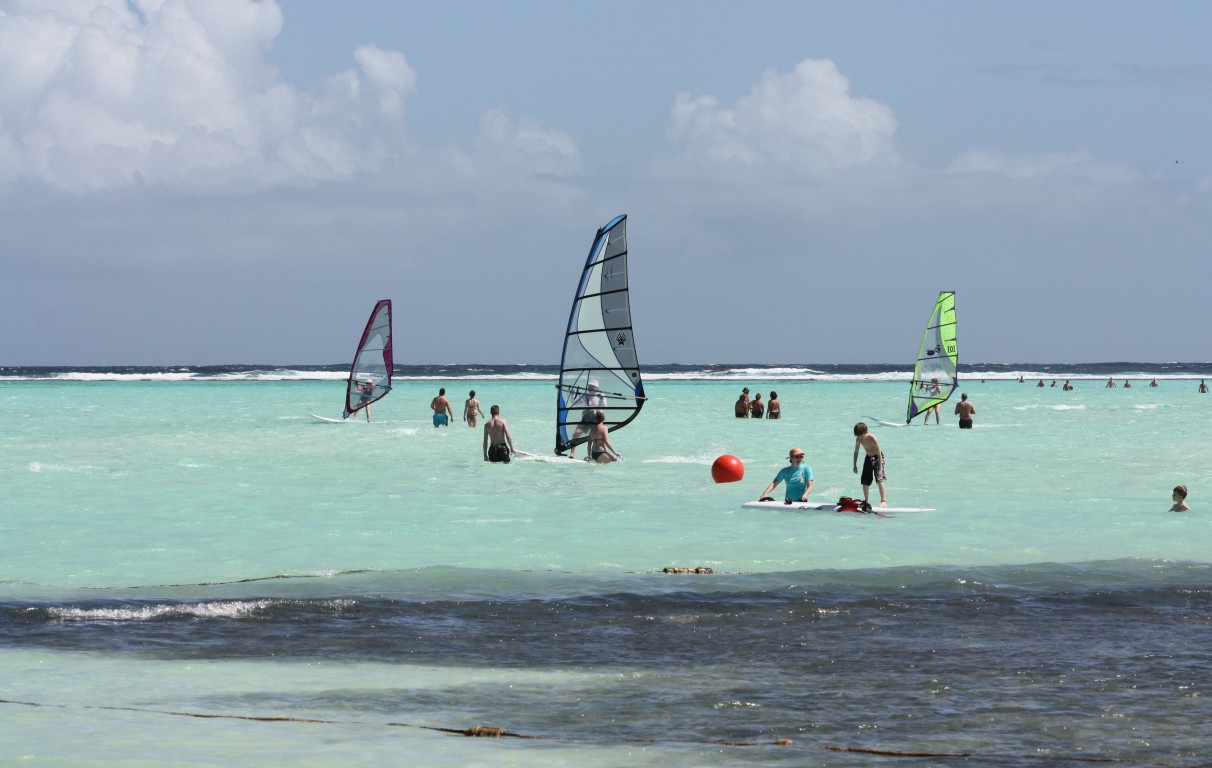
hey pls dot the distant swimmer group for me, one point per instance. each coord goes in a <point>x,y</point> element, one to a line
<point>744,408</point>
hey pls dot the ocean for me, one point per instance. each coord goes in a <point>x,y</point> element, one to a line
<point>195,571</point>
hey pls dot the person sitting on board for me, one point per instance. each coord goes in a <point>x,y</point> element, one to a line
<point>873,464</point>
<point>498,443</point>
<point>756,409</point>
<point>1180,499</point>
<point>742,404</point>
<point>471,408</point>
<point>441,409</point>
<point>592,400</point>
<point>797,476</point>
<point>598,445</point>
<point>773,408</point>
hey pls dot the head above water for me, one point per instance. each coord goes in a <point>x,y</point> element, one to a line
<point>472,393</point>
<point>1180,491</point>
<point>495,410</point>
<point>860,429</point>
<point>795,453</point>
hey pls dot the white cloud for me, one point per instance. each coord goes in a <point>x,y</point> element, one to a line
<point>523,144</point>
<point>805,120</point>
<point>104,93</point>
<point>1072,164</point>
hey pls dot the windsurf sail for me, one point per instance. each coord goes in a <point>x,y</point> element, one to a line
<point>370,374</point>
<point>599,370</point>
<point>935,375</point>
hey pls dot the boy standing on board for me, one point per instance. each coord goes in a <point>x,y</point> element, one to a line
<point>873,464</point>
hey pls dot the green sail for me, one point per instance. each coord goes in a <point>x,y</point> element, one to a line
<point>935,374</point>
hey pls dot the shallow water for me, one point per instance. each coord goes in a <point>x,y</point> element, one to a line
<point>174,547</point>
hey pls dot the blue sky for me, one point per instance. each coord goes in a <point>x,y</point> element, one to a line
<point>238,182</point>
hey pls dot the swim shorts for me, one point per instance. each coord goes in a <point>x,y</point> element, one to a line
<point>965,423</point>
<point>498,452</point>
<point>440,420</point>
<point>873,469</point>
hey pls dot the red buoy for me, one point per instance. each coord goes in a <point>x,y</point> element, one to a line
<point>727,469</point>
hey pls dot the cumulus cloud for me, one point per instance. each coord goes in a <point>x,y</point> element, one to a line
<point>523,143</point>
<point>804,120</point>
<point>96,94</point>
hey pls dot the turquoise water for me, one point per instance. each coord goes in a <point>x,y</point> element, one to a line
<point>152,528</point>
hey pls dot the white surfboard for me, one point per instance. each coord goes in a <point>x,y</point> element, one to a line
<point>883,423</point>
<point>330,421</point>
<point>813,506</point>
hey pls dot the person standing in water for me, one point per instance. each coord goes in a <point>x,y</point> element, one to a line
<point>1180,499</point>
<point>873,464</point>
<point>366,390</point>
<point>471,408</point>
<point>965,410</point>
<point>598,445</point>
<point>773,408</point>
<point>933,388</point>
<point>797,476</point>
<point>756,409</point>
<point>498,443</point>
<point>592,400</point>
<point>442,414</point>
<point>742,404</point>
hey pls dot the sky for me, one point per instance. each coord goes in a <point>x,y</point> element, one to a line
<point>200,182</point>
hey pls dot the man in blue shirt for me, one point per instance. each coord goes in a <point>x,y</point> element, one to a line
<point>798,478</point>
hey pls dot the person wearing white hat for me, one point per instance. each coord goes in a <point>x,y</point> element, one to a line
<point>593,399</point>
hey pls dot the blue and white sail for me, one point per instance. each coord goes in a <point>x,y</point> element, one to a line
<point>599,370</point>
<point>370,373</point>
